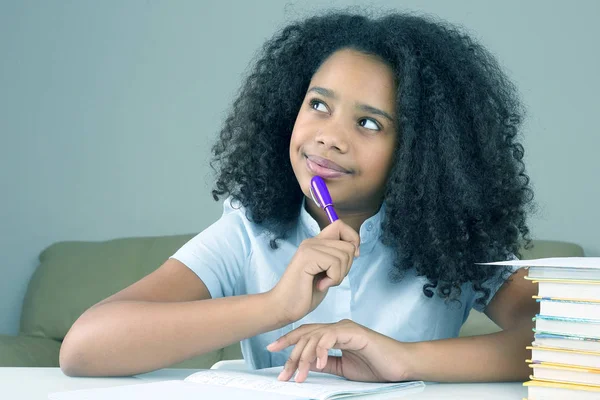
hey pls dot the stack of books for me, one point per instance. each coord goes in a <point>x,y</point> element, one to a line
<point>565,353</point>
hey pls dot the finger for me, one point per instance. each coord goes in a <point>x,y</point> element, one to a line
<point>341,231</point>
<point>348,234</point>
<point>326,342</point>
<point>291,338</point>
<point>308,357</point>
<point>344,263</point>
<point>344,253</point>
<point>333,277</point>
<point>333,366</point>
<point>322,261</point>
<point>338,230</point>
<point>339,244</point>
<point>291,365</point>
<point>346,249</point>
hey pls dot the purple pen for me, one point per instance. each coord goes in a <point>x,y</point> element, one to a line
<point>321,196</point>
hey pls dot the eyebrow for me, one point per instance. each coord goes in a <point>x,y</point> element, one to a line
<point>364,107</point>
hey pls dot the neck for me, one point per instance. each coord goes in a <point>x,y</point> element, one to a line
<point>353,218</point>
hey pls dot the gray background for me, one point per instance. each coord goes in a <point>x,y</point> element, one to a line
<point>108,110</point>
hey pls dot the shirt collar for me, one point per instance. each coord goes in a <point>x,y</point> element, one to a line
<point>370,230</point>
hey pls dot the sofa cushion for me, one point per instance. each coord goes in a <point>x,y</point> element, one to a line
<point>551,248</point>
<point>74,275</point>
<point>27,351</point>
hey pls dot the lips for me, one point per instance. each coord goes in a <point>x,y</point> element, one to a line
<point>325,168</point>
<point>325,163</point>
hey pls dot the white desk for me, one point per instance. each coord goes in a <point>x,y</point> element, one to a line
<point>36,383</point>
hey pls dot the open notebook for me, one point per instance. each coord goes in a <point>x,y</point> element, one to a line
<point>257,384</point>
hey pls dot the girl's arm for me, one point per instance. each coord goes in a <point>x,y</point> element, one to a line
<point>164,318</point>
<point>494,357</point>
<point>168,316</point>
<point>370,356</point>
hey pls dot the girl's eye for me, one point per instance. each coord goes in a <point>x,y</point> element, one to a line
<point>369,123</point>
<point>318,105</point>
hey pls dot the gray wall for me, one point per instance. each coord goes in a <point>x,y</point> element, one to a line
<point>107,110</point>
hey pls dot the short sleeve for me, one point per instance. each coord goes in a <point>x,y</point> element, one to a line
<point>494,283</point>
<point>218,254</point>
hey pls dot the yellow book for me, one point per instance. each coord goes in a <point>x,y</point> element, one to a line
<point>533,378</point>
<point>561,280</point>
<point>585,328</point>
<point>560,391</point>
<point>593,370</point>
<point>554,355</point>
<point>567,289</point>
<point>566,342</point>
<point>558,349</point>
<point>567,300</point>
<point>564,374</point>
<point>569,308</point>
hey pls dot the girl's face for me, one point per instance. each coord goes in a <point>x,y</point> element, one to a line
<point>345,131</point>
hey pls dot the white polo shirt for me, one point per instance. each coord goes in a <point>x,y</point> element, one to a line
<point>233,257</point>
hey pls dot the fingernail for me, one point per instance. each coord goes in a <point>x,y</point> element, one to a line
<point>319,362</point>
<point>279,377</point>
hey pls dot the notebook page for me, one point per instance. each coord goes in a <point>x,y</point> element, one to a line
<point>171,390</point>
<point>317,386</point>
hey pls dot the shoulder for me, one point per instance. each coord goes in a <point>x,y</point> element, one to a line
<point>237,217</point>
<point>234,230</point>
<point>220,252</point>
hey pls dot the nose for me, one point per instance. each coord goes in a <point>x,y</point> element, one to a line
<point>332,137</point>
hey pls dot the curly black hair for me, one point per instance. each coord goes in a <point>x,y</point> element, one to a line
<point>457,193</point>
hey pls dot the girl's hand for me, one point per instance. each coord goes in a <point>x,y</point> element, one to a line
<point>319,263</point>
<point>366,355</point>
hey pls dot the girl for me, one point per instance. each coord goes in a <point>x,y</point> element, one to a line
<point>412,125</point>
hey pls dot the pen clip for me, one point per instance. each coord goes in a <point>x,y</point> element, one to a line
<point>321,196</point>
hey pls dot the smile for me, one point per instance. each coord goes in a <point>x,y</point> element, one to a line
<point>324,168</point>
